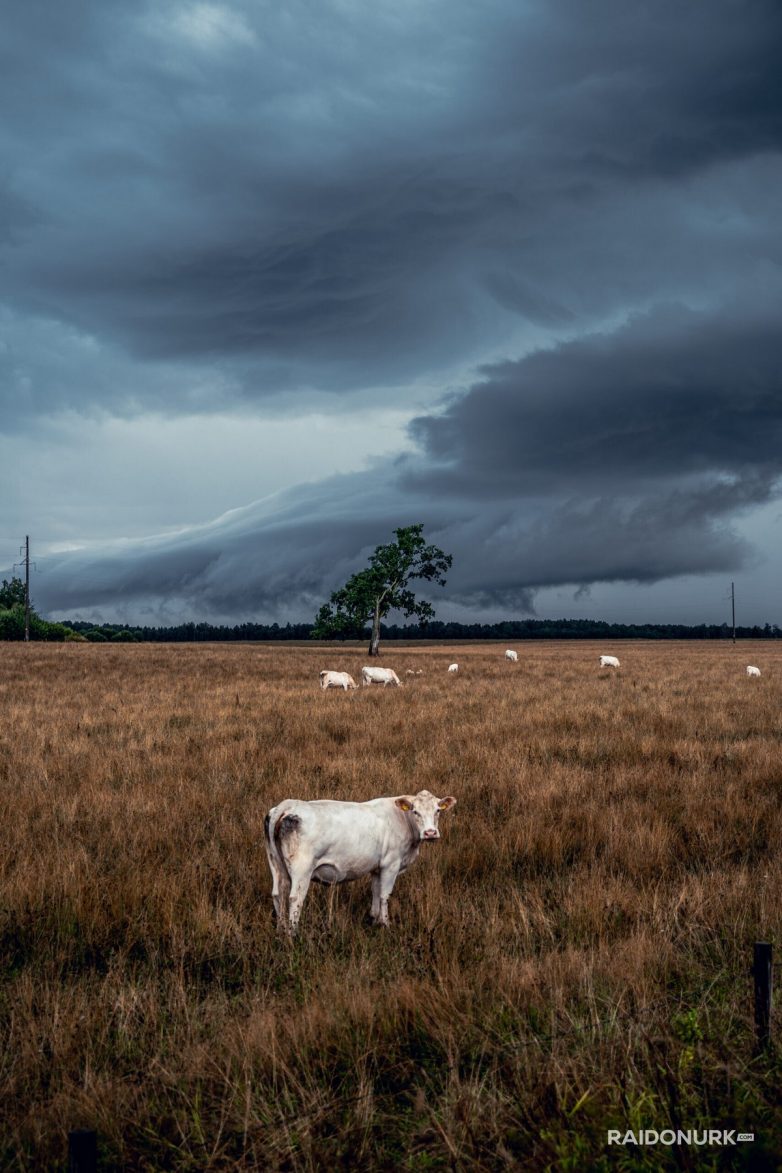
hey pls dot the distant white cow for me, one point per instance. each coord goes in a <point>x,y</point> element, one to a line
<point>382,676</point>
<point>752,670</point>
<point>609,662</point>
<point>511,655</point>
<point>336,680</point>
<point>332,842</point>
<point>453,667</point>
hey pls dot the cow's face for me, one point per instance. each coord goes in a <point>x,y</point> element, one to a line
<point>424,809</point>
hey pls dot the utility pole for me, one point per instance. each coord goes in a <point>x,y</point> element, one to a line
<point>27,588</point>
<point>733,609</point>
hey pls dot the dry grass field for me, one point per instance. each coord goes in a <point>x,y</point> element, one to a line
<point>571,956</point>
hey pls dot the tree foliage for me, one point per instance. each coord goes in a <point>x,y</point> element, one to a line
<point>11,594</point>
<point>369,595</point>
<point>12,623</point>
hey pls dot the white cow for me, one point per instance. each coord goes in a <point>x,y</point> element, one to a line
<point>382,676</point>
<point>609,662</point>
<point>336,680</point>
<point>752,670</point>
<point>511,655</point>
<point>453,667</point>
<point>333,842</point>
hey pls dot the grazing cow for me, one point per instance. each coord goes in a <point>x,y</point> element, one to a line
<point>453,667</point>
<point>752,670</point>
<point>332,842</point>
<point>336,680</point>
<point>382,676</point>
<point>511,655</point>
<point>609,662</point>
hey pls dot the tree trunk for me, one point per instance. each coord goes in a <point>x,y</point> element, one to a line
<point>374,643</point>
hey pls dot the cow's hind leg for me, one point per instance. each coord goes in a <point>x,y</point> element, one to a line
<point>301,874</point>
<point>280,882</point>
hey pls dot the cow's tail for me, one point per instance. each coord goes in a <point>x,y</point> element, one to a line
<point>274,834</point>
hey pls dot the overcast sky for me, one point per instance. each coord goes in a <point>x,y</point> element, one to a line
<point>278,278</point>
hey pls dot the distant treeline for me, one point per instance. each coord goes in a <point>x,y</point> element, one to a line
<point>509,629</point>
<point>12,623</point>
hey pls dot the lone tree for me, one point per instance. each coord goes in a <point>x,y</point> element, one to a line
<point>370,594</point>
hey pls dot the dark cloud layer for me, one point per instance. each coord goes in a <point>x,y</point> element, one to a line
<point>565,216</point>
<point>338,199</point>
<point>672,394</point>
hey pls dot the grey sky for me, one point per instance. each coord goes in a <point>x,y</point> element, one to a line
<point>275,279</point>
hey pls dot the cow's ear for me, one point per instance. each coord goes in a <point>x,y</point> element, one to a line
<point>445,804</point>
<point>404,804</point>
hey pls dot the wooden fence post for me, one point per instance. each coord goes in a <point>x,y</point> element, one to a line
<point>761,972</point>
<point>82,1151</point>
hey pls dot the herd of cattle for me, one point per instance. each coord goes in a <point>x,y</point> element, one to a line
<point>331,841</point>
<point>385,676</point>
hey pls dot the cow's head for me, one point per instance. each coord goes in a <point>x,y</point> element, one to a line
<point>424,810</point>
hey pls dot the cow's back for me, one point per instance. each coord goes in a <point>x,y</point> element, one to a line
<point>325,821</point>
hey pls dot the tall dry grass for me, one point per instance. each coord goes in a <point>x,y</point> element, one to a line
<point>571,956</point>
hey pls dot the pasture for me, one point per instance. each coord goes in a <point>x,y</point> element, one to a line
<point>571,956</point>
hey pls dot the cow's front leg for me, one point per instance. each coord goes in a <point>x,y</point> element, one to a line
<point>375,896</point>
<point>385,886</point>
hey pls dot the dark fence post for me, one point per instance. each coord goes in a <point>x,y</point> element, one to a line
<point>82,1151</point>
<point>761,972</point>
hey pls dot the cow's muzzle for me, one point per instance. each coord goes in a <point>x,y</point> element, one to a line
<point>431,833</point>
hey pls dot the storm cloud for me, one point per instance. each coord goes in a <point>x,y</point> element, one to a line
<point>549,234</point>
<point>672,394</point>
<point>278,558</point>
